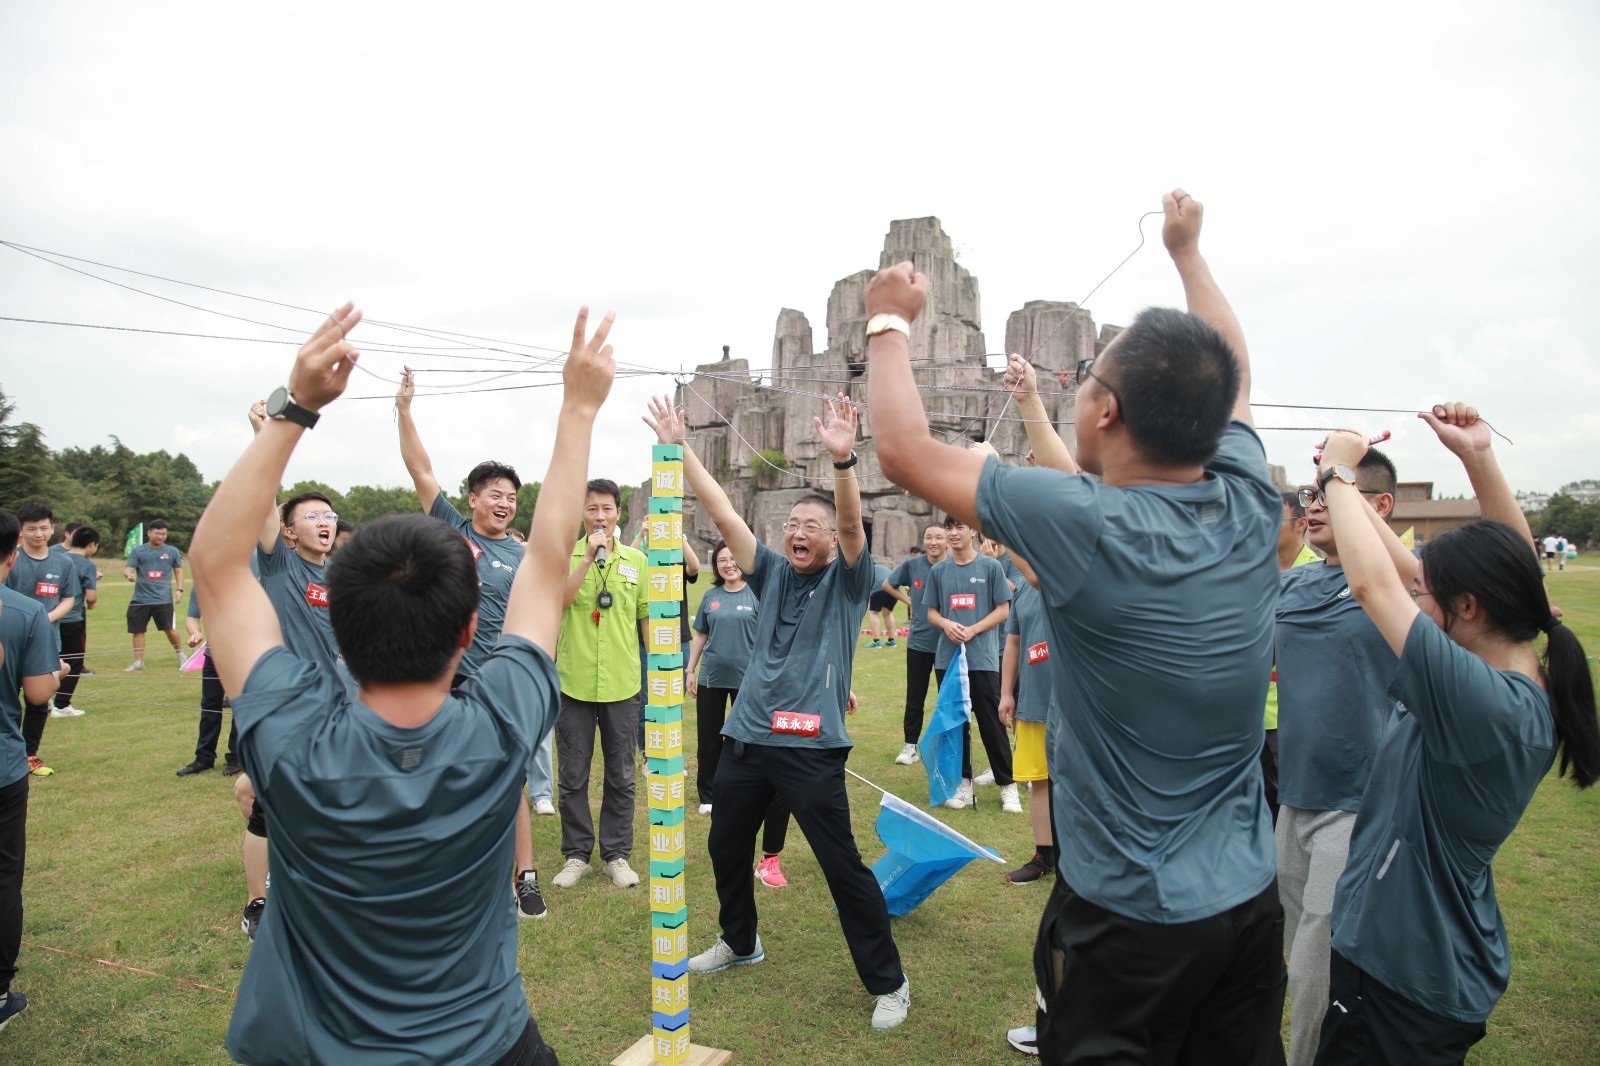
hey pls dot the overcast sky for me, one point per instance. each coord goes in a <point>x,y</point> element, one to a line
<point>1399,200</point>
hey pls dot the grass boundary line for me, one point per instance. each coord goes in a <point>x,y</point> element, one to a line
<point>130,969</point>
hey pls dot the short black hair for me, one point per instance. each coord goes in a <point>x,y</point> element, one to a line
<point>951,520</point>
<point>399,595</point>
<point>296,500</point>
<point>10,533</point>
<point>155,523</point>
<point>1291,500</point>
<point>343,526</point>
<point>84,536</point>
<point>1376,472</point>
<point>71,528</point>
<point>820,500</point>
<point>1175,379</point>
<point>488,471</point>
<point>604,487</point>
<point>35,512</point>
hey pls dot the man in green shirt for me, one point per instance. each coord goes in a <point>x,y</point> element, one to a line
<point>598,658</point>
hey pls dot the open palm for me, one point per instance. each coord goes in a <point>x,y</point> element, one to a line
<point>838,431</point>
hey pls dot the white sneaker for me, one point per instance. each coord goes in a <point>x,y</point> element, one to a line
<point>621,873</point>
<point>907,756</point>
<point>705,808</point>
<point>985,778</point>
<point>69,711</point>
<point>1025,1039</point>
<point>570,873</point>
<point>137,664</point>
<point>963,797</point>
<point>891,1008</point>
<point>1010,802</point>
<point>720,956</point>
<point>543,806</point>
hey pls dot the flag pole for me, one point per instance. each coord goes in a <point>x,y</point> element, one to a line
<point>864,781</point>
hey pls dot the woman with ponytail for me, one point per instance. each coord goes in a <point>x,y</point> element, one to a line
<point>1419,947</point>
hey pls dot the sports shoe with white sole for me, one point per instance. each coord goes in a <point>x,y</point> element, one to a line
<point>570,873</point>
<point>136,665</point>
<point>892,1007</point>
<point>530,903</point>
<point>963,797</point>
<point>1010,802</point>
<point>69,711</point>
<point>769,871</point>
<point>14,1005</point>
<point>544,807</point>
<point>705,808</point>
<point>985,778</point>
<point>720,956</point>
<point>252,917</point>
<point>621,873</point>
<point>1025,1039</point>
<point>907,756</point>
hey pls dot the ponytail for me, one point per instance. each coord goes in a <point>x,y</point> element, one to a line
<point>1571,689</point>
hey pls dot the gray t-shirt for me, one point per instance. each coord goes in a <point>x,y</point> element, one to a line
<point>299,594</point>
<point>153,569</point>
<point>1415,907</point>
<point>28,640</point>
<point>1160,601</point>
<point>497,559</point>
<point>88,579</point>
<point>391,936</point>
<point>967,593</point>
<point>912,573</point>
<point>1027,620</point>
<point>728,619</point>
<point>804,648</point>
<point>1333,709</point>
<point>46,581</point>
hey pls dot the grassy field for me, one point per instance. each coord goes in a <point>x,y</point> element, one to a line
<point>134,866</point>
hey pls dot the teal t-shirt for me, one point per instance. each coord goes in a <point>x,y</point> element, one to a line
<point>497,561</point>
<point>1027,620</point>
<point>1333,666</point>
<point>1160,601</point>
<point>88,580</point>
<point>28,640</point>
<point>153,569</point>
<point>299,593</point>
<point>912,573</point>
<point>728,619</point>
<point>967,593</point>
<point>391,936</point>
<point>46,581</point>
<point>1415,907</point>
<point>805,646</point>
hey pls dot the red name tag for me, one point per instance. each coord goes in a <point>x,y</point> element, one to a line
<point>155,575</point>
<point>916,584</point>
<point>1039,652</point>
<point>795,724</point>
<point>477,552</point>
<point>47,588</point>
<point>960,600</point>
<point>316,595</point>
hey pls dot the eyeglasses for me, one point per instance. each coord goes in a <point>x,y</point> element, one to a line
<point>811,529</point>
<point>317,516</point>
<point>1417,595</point>
<point>1086,370</point>
<point>1311,496</point>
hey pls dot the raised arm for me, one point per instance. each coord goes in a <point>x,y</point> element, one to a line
<point>1048,447</point>
<point>1464,433</point>
<point>838,436</point>
<point>1181,234</point>
<point>415,456</point>
<point>240,621</point>
<point>270,535</point>
<point>1374,581</point>
<point>945,476</point>
<point>585,382</point>
<point>668,426</point>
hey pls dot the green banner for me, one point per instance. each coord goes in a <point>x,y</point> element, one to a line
<point>135,538</point>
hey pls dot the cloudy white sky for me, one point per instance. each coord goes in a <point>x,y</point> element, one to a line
<point>1400,198</point>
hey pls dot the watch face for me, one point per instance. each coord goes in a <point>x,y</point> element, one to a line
<point>277,401</point>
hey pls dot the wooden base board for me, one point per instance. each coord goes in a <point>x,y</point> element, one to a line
<point>644,1054</point>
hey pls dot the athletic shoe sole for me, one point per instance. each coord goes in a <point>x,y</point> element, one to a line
<point>750,960</point>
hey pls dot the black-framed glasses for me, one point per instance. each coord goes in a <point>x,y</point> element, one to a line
<point>1311,496</point>
<point>1417,594</point>
<point>1085,369</point>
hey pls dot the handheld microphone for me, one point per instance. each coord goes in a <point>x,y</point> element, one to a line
<point>600,552</point>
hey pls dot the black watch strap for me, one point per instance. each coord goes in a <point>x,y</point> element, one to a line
<point>281,405</point>
<point>848,463</point>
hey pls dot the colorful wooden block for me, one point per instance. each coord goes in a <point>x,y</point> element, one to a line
<point>669,945</point>
<point>669,1020</point>
<point>664,767</point>
<point>669,996</point>
<point>672,1045</point>
<point>664,556</point>
<point>665,608</point>
<point>665,583</point>
<point>664,688</point>
<point>667,713</point>
<point>664,636</point>
<point>669,919</point>
<point>666,505</point>
<point>663,740</point>
<point>666,843</point>
<point>668,971</point>
<point>667,893</point>
<point>664,791</point>
<point>667,815</point>
<point>666,453</point>
<point>664,532</point>
<point>666,662</point>
<point>666,867</point>
<point>666,479</point>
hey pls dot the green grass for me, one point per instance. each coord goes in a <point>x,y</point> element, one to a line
<point>131,864</point>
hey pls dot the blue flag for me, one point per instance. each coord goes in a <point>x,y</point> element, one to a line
<point>923,854</point>
<point>941,740</point>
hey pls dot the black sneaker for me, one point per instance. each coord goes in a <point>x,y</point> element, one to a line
<point>231,768</point>
<point>252,917</point>
<point>86,672</point>
<point>1030,871</point>
<point>196,767</point>
<point>530,904</point>
<point>14,1005</point>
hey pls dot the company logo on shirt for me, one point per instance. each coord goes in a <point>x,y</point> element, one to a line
<point>165,556</point>
<point>960,600</point>
<point>47,588</point>
<point>744,607</point>
<point>916,584</point>
<point>974,580</point>
<point>1345,593</point>
<point>316,595</point>
<point>1039,652</point>
<point>715,604</point>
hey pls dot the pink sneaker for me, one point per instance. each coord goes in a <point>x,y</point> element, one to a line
<point>770,873</point>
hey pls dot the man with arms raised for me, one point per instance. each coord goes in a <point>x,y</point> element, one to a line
<point>923,641</point>
<point>785,735</point>
<point>391,812</point>
<point>1162,938</point>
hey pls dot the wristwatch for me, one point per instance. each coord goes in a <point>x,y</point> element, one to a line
<point>884,323</point>
<point>848,463</point>
<point>281,405</point>
<point>1337,470</point>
